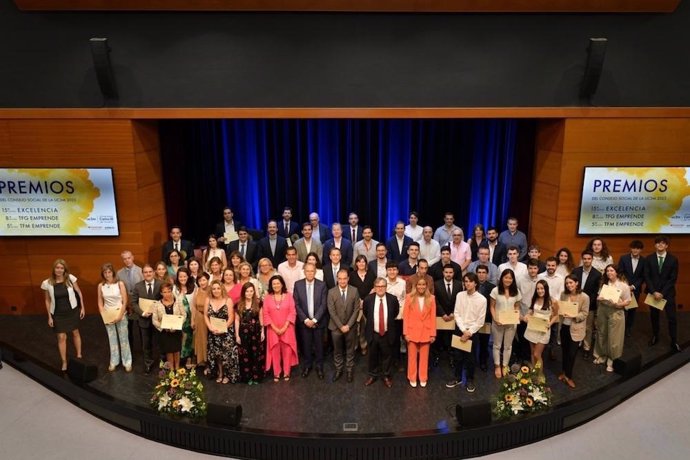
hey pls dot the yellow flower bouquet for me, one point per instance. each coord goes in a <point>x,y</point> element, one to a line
<point>523,390</point>
<point>179,392</point>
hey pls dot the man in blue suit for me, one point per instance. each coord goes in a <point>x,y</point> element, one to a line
<point>661,274</point>
<point>632,266</point>
<point>340,242</point>
<point>397,245</point>
<point>311,301</point>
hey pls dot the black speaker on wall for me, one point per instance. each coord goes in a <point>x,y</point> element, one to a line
<point>80,372</point>
<point>595,64</point>
<point>100,51</point>
<point>473,414</point>
<point>224,414</point>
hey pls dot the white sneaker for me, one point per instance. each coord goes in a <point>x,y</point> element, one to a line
<point>413,384</point>
<point>422,384</point>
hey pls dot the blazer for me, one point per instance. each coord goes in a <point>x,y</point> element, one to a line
<point>370,308</point>
<point>140,292</point>
<point>363,287</point>
<point>220,229</point>
<point>320,306</point>
<point>393,251</point>
<point>436,270</point>
<point>302,249</point>
<point>591,287</point>
<point>346,250</point>
<point>157,316</point>
<point>419,325</point>
<point>578,324</point>
<point>347,233</point>
<point>445,304</point>
<point>328,277</point>
<point>635,278</point>
<point>342,313</point>
<point>664,281</point>
<point>265,250</point>
<point>324,233</point>
<point>251,251</point>
<point>500,252</point>
<point>185,246</point>
<point>294,228</point>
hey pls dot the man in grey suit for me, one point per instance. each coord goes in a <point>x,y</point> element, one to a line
<point>312,317</point>
<point>149,288</point>
<point>307,244</point>
<point>130,274</point>
<point>343,307</point>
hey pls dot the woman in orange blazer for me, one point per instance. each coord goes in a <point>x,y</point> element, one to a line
<point>419,330</point>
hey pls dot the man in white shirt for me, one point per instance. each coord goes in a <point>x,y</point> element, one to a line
<point>444,232</point>
<point>556,286</point>
<point>291,269</point>
<point>413,230</point>
<point>526,286</point>
<point>518,268</point>
<point>429,248</point>
<point>470,311</point>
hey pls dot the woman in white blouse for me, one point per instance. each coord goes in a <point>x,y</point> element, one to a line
<point>611,319</point>
<point>112,299</point>
<point>504,297</point>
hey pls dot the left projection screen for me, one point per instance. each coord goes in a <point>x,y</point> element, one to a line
<point>57,202</point>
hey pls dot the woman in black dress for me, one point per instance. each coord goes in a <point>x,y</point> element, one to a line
<point>363,279</point>
<point>222,349</point>
<point>250,336</point>
<point>65,306</point>
<point>169,341</point>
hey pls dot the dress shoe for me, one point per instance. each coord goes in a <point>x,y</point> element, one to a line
<point>653,341</point>
<point>388,382</point>
<point>570,383</point>
<point>350,377</point>
<point>675,347</point>
<point>336,376</point>
<point>552,354</point>
<point>364,352</point>
<point>319,373</point>
<point>369,381</point>
<point>483,367</point>
<point>306,371</point>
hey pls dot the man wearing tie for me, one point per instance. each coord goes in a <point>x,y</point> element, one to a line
<point>311,301</point>
<point>149,288</point>
<point>331,269</point>
<point>343,306</point>
<point>661,273</point>
<point>631,266</point>
<point>287,227</point>
<point>380,310</point>
<point>354,230</point>
<point>176,243</point>
<point>447,290</point>
<point>246,247</point>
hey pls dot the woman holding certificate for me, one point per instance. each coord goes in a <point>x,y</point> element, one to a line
<point>199,324</point>
<point>184,293</point>
<point>112,298</point>
<point>63,299</point>
<point>613,297</point>
<point>279,314</point>
<point>573,309</point>
<point>419,331</point>
<point>505,311</point>
<point>543,313</point>
<point>170,337</point>
<point>251,339</point>
<point>222,349</point>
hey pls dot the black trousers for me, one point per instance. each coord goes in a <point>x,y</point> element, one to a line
<point>569,348</point>
<point>465,360</point>
<point>312,344</point>
<point>670,310</point>
<point>148,342</point>
<point>380,355</point>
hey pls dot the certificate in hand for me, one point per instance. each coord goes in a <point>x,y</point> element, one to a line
<point>485,329</point>
<point>460,345</point>
<point>568,308</point>
<point>148,305</point>
<point>219,324</point>
<point>633,303</point>
<point>610,293</point>
<point>230,237</point>
<point>652,302</point>
<point>109,315</point>
<point>172,322</point>
<point>442,325</point>
<point>509,316</point>
<point>538,323</point>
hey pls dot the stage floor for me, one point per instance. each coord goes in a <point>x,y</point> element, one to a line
<point>313,406</point>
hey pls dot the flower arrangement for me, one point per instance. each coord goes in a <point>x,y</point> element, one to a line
<point>179,392</point>
<point>522,390</point>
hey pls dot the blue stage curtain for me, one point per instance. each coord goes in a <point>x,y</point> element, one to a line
<point>380,169</point>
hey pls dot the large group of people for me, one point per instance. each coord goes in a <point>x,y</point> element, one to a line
<point>249,309</point>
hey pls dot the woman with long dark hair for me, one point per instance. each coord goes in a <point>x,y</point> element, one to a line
<point>279,315</point>
<point>250,336</point>
<point>572,327</point>
<point>542,306</point>
<point>503,297</point>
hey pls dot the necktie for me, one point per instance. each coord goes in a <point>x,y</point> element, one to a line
<point>310,299</point>
<point>448,289</point>
<point>661,263</point>
<point>149,290</point>
<point>382,319</point>
<point>242,249</point>
<point>177,247</point>
<point>287,229</point>
<point>342,295</point>
<point>354,235</point>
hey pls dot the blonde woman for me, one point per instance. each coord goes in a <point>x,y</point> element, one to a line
<point>112,295</point>
<point>65,306</point>
<point>419,331</point>
<point>266,272</point>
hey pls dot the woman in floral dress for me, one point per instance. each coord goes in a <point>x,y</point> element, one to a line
<point>251,338</point>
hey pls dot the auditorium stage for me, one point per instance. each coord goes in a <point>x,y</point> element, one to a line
<point>313,408</point>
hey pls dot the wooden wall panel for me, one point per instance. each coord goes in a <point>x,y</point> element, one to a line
<point>606,142</point>
<point>130,148</point>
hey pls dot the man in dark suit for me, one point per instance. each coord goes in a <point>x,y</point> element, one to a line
<point>343,307</point>
<point>246,247</point>
<point>590,279</point>
<point>273,246</point>
<point>338,241</point>
<point>287,227</point>
<point>484,287</point>
<point>498,252</point>
<point>320,232</point>
<point>396,246</point>
<point>330,269</point>
<point>184,247</point>
<point>436,270</point>
<point>380,309</point>
<point>353,231</point>
<point>631,266</point>
<point>446,290</point>
<point>228,225</point>
<point>312,317</point>
<point>661,273</point>
<point>149,288</point>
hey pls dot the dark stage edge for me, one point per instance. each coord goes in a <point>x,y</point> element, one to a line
<point>416,428</point>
